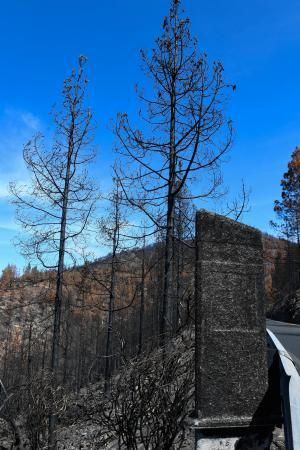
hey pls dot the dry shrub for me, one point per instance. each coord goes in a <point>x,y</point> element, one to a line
<point>149,401</point>
<point>26,408</point>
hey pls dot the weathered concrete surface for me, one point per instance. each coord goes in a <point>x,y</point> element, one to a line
<point>231,364</point>
<point>256,441</point>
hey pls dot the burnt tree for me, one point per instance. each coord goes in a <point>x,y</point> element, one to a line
<point>181,139</point>
<point>55,208</point>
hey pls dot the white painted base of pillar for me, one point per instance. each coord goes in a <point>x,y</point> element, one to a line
<point>252,442</point>
<point>216,444</point>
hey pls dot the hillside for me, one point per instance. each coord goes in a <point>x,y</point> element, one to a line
<point>27,303</point>
<point>26,333</point>
<point>145,395</point>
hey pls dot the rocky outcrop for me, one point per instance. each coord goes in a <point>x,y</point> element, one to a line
<point>287,309</point>
<point>281,266</point>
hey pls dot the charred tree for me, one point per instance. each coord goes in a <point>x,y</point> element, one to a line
<point>182,137</point>
<point>56,206</point>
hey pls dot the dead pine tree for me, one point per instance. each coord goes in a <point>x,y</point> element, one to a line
<point>178,145</point>
<point>55,208</point>
<point>142,298</point>
<point>110,229</point>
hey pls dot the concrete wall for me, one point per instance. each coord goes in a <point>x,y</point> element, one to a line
<point>231,351</point>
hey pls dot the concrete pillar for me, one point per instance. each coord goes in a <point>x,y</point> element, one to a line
<point>232,399</point>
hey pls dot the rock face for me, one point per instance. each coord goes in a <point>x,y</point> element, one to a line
<point>231,364</point>
<point>282,268</point>
<point>287,309</point>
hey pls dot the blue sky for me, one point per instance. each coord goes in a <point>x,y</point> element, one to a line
<point>257,41</point>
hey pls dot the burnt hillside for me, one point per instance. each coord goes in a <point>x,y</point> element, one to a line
<point>27,306</point>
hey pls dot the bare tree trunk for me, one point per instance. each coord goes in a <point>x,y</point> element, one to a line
<point>108,347</point>
<point>177,268</point>
<point>111,305</point>
<point>29,356</point>
<point>52,445</point>
<point>166,319</point>
<point>60,270</point>
<point>142,303</point>
<point>66,349</point>
<point>6,351</point>
<point>97,351</point>
<point>166,326</point>
<point>22,350</point>
<point>44,353</point>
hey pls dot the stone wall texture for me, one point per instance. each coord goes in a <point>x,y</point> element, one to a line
<point>231,363</point>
